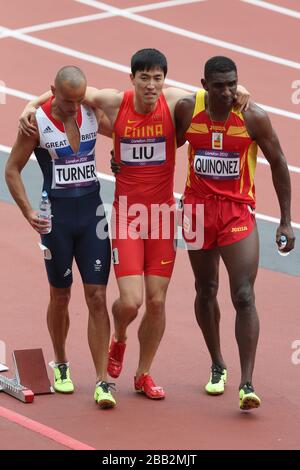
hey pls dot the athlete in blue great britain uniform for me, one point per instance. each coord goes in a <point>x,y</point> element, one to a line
<point>65,149</point>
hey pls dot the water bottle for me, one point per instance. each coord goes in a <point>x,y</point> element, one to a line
<point>282,245</point>
<point>45,211</point>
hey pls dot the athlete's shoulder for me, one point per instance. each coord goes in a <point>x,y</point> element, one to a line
<point>103,98</point>
<point>183,114</point>
<point>38,116</point>
<point>185,104</point>
<point>88,108</point>
<point>172,93</point>
<point>255,112</point>
<point>111,93</point>
<point>44,108</point>
<point>189,100</point>
<point>257,120</point>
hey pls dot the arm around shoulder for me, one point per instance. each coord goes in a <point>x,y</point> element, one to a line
<point>105,99</point>
<point>26,120</point>
<point>104,125</point>
<point>183,116</point>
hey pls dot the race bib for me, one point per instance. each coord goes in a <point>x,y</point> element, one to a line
<point>143,151</point>
<point>217,164</point>
<point>74,172</point>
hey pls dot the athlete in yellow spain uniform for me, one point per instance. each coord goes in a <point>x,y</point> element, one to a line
<point>222,159</point>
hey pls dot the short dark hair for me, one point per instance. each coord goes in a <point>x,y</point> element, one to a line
<point>146,59</point>
<point>218,64</point>
<point>71,74</point>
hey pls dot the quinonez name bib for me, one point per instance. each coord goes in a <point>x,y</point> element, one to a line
<point>217,164</point>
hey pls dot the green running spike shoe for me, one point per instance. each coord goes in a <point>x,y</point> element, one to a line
<point>217,381</point>
<point>248,398</point>
<point>103,395</point>
<point>62,380</point>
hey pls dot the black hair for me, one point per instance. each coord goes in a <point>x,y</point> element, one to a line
<point>218,64</point>
<point>146,59</point>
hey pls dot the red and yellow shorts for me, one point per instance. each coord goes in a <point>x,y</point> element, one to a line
<point>223,221</point>
<point>144,245</point>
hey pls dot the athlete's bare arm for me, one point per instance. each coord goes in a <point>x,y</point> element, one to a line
<point>107,100</point>
<point>173,95</point>
<point>260,129</point>
<point>27,123</point>
<point>18,158</point>
<point>242,99</point>
<point>183,116</point>
<point>104,124</point>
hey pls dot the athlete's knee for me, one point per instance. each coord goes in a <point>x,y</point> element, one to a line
<point>207,291</point>
<point>129,305</point>
<point>96,299</point>
<point>155,306</point>
<point>60,298</point>
<point>243,298</point>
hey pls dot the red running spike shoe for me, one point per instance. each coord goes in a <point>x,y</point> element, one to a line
<point>115,357</point>
<point>146,385</point>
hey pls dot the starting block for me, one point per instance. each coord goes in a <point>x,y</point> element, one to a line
<point>30,378</point>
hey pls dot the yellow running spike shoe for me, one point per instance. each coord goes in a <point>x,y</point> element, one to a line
<point>248,398</point>
<point>62,380</point>
<point>103,395</point>
<point>217,381</point>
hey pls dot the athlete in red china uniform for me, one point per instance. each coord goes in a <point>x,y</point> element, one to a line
<point>146,146</point>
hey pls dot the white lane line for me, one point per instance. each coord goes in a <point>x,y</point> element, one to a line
<point>5,149</point>
<point>67,51</point>
<point>179,31</point>
<point>273,7</point>
<point>17,93</point>
<point>97,16</point>
<point>264,217</point>
<point>191,35</point>
<point>121,68</point>
<point>280,112</point>
<point>292,169</point>
<point>26,96</point>
<point>104,176</point>
<point>274,220</point>
<point>59,23</point>
<point>159,5</point>
<point>148,7</point>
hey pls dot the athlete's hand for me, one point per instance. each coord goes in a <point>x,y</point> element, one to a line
<point>40,225</point>
<point>242,99</point>
<point>287,230</point>
<point>114,166</point>
<point>27,123</point>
